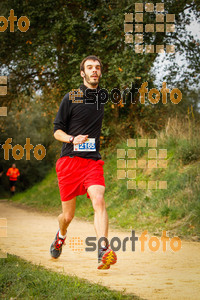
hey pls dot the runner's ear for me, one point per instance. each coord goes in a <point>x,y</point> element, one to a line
<point>82,74</point>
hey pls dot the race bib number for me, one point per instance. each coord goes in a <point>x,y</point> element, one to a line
<point>89,145</point>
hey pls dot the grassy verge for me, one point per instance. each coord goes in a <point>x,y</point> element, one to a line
<point>175,209</point>
<point>22,280</point>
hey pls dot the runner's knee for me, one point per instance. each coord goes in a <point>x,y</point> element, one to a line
<point>98,202</point>
<point>68,217</point>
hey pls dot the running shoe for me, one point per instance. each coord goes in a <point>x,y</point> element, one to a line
<point>56,246</point>
<point>106,258</point>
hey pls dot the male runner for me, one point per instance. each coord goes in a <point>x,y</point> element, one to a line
<point>80,168</point>
<point>13,174</point>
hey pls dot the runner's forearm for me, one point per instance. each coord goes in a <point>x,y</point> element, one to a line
<point>61,136</point>
<point>64,137</point>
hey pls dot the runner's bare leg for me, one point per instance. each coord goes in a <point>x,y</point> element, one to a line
<point>65,218</point>
<point>96,193</point>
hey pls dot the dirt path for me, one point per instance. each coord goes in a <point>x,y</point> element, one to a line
<point>150,275</point>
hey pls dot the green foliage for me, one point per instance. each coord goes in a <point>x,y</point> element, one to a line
<point>27,281</point>
<point>189,151</point>
<point>165,211</point>
<point>31,122</point>
<point>61,34</point>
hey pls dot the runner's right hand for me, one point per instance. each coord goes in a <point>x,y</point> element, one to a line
<point>80,139</point>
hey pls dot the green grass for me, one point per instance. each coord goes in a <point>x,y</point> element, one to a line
<point>22,280</point>
<point>43,196</point>
<point>175,209</point>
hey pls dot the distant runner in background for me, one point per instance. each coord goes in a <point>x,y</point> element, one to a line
<point>13,174</point>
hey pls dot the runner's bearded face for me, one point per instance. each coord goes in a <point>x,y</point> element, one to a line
<point>92,72</point>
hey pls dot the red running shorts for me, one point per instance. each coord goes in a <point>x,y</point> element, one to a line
<point>76,174</point>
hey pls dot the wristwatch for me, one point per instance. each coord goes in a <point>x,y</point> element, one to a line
<point>71,139</point>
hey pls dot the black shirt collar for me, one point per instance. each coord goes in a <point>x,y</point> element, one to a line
<point>84,88</point>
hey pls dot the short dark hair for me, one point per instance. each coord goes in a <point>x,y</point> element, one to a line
<point>92,57</point>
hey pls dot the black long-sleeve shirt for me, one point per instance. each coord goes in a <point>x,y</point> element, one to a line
<point>80,118</point>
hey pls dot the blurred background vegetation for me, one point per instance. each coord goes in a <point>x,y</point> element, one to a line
<point>42,65</point>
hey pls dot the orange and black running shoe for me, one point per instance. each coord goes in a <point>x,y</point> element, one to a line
<point>106,258</point>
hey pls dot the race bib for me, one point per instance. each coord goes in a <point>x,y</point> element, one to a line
<point>89,145</point>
